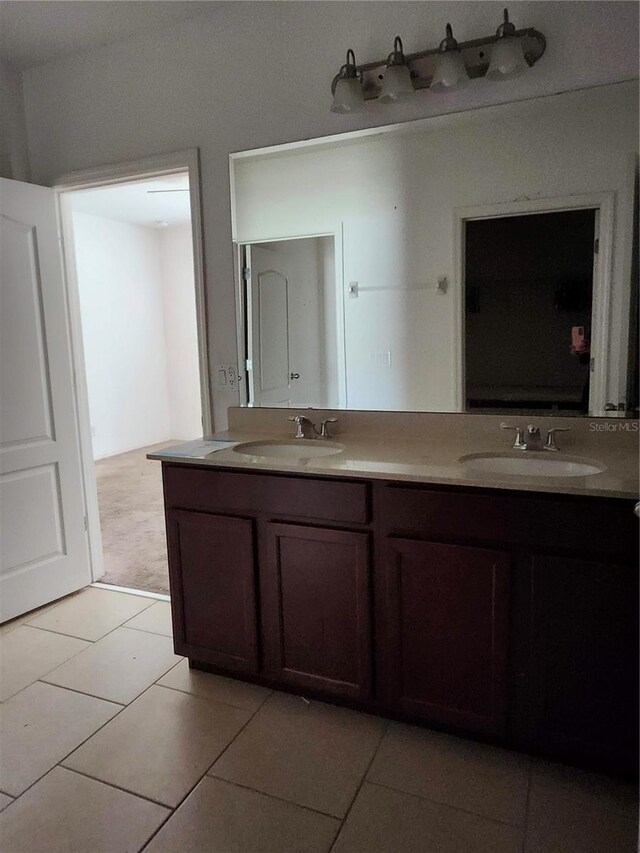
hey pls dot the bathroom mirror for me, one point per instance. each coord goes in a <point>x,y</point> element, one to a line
<point>476,262</point>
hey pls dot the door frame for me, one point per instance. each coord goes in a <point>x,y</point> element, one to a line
<point>239,263</point>
<point>603,203</point>
<point>100,176</point>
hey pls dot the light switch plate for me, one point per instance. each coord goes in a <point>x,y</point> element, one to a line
<point>226,376</point>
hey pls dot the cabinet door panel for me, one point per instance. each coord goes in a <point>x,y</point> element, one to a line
<point>445,651</point>
<point>584,694</point>
<point>316,609</point>
<point>212,570</point>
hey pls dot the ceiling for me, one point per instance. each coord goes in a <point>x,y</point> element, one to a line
<point>138,202</point>
<point>37,31</point>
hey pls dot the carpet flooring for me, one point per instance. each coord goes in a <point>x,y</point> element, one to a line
<point>132,521</point>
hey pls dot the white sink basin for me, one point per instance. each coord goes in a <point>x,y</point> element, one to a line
<point>302,448</point>
<point>533,464</point>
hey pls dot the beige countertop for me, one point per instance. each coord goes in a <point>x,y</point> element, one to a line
<point>427,459</point>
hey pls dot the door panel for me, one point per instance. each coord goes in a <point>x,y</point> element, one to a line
<point>212,573</point>
<point>286,326</point>
<point>269,328</point>
<point>44,554</point>
<point>445,650</point>
<point>315,588</point>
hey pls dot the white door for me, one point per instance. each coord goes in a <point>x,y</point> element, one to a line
<point>269,373</point>
<point>43,545</point>
<point>286,327</point>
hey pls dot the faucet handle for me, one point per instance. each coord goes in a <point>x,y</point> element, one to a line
<point>324,427</point>
<point>301,421</point>
<point>550,443</point>
<point>519,442</point>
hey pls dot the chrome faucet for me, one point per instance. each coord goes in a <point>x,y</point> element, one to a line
<point>324,427</point>
<point>301,425</point>
<point>532,439</point>
<point>305,427</point>
<point>550,443</point>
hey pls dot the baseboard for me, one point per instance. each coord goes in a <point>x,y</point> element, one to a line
<point>135,447</point>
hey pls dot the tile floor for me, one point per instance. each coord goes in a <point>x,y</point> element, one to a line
<point>109,743</point>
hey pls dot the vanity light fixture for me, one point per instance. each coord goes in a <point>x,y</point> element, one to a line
<point>450,72</point>
<point>347,91</point>
<point>507,55</point>
<point>499,56</point>
<point>396,85</point>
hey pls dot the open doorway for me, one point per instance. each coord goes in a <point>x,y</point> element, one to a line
<point>529,292</point>
<point>132,252</point>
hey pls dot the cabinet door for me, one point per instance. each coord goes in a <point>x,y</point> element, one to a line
<point>316,603</point>
<point>213,597</point>
<point>584,672</point>
<point>443,641</point>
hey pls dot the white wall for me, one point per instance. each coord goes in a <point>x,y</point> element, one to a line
<point>137,306</point>
<point>395,194</point>
<point>180,327</point>
<point>118,267</point>
<point>245,75</point>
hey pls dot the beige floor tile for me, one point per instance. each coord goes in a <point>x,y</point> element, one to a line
<point>26,654</point>
<point>216,687</point>
<point>313,754</point>
<point>155,619</point>
<point>40,726</point>
<point>27,617</point>
<point>4,801</point>
<point>562,823</point>
<point>91,614</point>
<point>484,780</point>
<point>386,821</point>
<point>160,745</point>
<point>118,667</point>
<point>589,788</point>
<point>221,817</point>
<point>68,813</point>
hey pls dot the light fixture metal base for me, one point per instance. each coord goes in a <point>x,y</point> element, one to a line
<point>475,53</point>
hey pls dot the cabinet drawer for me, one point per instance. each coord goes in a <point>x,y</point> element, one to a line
<point>294,497</point>
<point>590,524</point>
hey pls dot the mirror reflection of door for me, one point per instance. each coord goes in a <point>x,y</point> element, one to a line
<point>529,292</point>
<point>290,287</point>
<point>268,310</point>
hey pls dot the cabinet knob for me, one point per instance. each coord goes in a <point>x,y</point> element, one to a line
<point>636,509</point>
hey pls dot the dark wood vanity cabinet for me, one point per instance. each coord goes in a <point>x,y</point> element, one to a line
<point>212,569</point>
<point>584,659</point>
<point>505,615</point>
<point>316,603</point>
<point>445,610</point>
